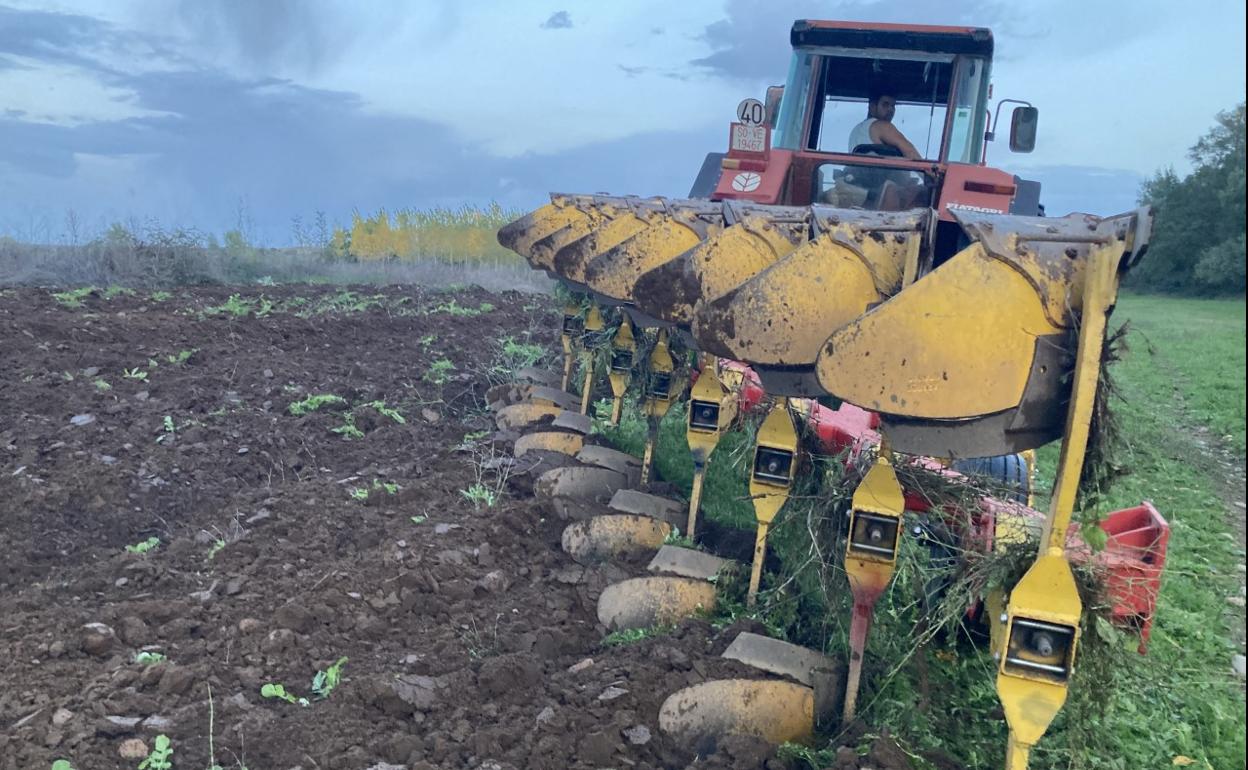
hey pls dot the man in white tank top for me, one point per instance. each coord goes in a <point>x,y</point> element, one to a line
<point>878,127</point>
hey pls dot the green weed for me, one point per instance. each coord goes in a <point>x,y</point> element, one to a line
<point>453,308</point>
<point>217,546</point>
<point>326,681</point>
<point>278,692</point>
<point>62,764</point>
<point>358,493</point>
<point>387,411</point>
<point>181,357</point>
<point>146,658</point>
<point>160,296</point>
<point>634,635</point>
<point>73,298</point>
<point>517,355</point>
<point>134,374</point>
<point>145,546</point>
<point>480,495</point>
<point>101,384</point>
<point>313,403</point>
<point>234,306</point>
<point>675,538</point>
<point>112,292</point>
<point>440,371</point>
<point>161,757</point>
<point>348,429</point>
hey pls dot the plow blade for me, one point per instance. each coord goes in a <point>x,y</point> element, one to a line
<point>981,348</point>
<point>612,459</point>
<point>777,657</point>
<point>604,537</point>
<point>645,504</point>
<point>686,562</point>
<point>756,237</point>
<point>779,319</point>
<point>535,376</point>
<point>674,229</point>
<point>640,236</point>
<point>549,441</point>
<point>526,415</point>
<point>773,710</point>
<point>649,601</point>
<point>574,421</point>
<point>508,394</point>
<point>563,489</point>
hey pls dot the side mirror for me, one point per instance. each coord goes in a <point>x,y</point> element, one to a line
<point>1023,129</point>
<point>774,93</point>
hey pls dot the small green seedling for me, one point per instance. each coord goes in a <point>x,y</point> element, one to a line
<point>634,635</point>
<point>235,306</point>
<point>144,546</point>
<point>102,385</point>
<point>675,538</point>
<point>134,374</point>
<point>62,764</point>
<point>313,403</point>
<point>348,427</point>
<point>182,356</point>
<point>440,371</point>
<point>161,296</point>
<point>419,519</point>
<point>217,546</point>
<point>273,690</point>
<point>358,493</point>
<point>387,411</point>
<point>480,494</point>
<point>325,681</point>
<point>161,757</point>
<point>112,292</point>
<point>390,488</point>
<point>74,297</point>
<point>146,658</point>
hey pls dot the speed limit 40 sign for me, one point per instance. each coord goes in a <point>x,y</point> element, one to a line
<point>751,112</point>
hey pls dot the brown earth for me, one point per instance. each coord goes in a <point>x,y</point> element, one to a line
<point>465,628</point>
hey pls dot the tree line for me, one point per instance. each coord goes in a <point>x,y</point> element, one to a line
<point>1197,245</point>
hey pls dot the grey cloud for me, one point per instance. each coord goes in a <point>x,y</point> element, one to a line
<point>558,20</point>
<point>264,33</point>
<point>290,149</point>
<point>752,43</point>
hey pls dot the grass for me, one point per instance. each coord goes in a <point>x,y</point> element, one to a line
<point>1183,388</point>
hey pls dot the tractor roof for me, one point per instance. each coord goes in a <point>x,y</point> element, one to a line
<point>893,37</point>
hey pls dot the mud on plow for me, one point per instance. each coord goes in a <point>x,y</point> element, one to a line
<point>899,335</point>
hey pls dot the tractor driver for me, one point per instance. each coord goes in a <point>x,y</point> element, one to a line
<point>878,127</point>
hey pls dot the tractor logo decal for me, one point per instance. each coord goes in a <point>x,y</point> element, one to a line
<point>746,181</point>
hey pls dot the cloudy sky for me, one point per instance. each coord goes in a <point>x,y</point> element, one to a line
<point>188,111</point>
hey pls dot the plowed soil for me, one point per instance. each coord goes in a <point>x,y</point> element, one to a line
<point>465,628</point>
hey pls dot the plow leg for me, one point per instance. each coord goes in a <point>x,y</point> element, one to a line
<point>1041,633</point>
<point>870,557</point>
<point>771,481</point>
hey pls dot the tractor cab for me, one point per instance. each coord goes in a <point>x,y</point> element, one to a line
<point>930,83</point>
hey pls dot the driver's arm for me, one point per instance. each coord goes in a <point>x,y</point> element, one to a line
<point>887,133</point>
